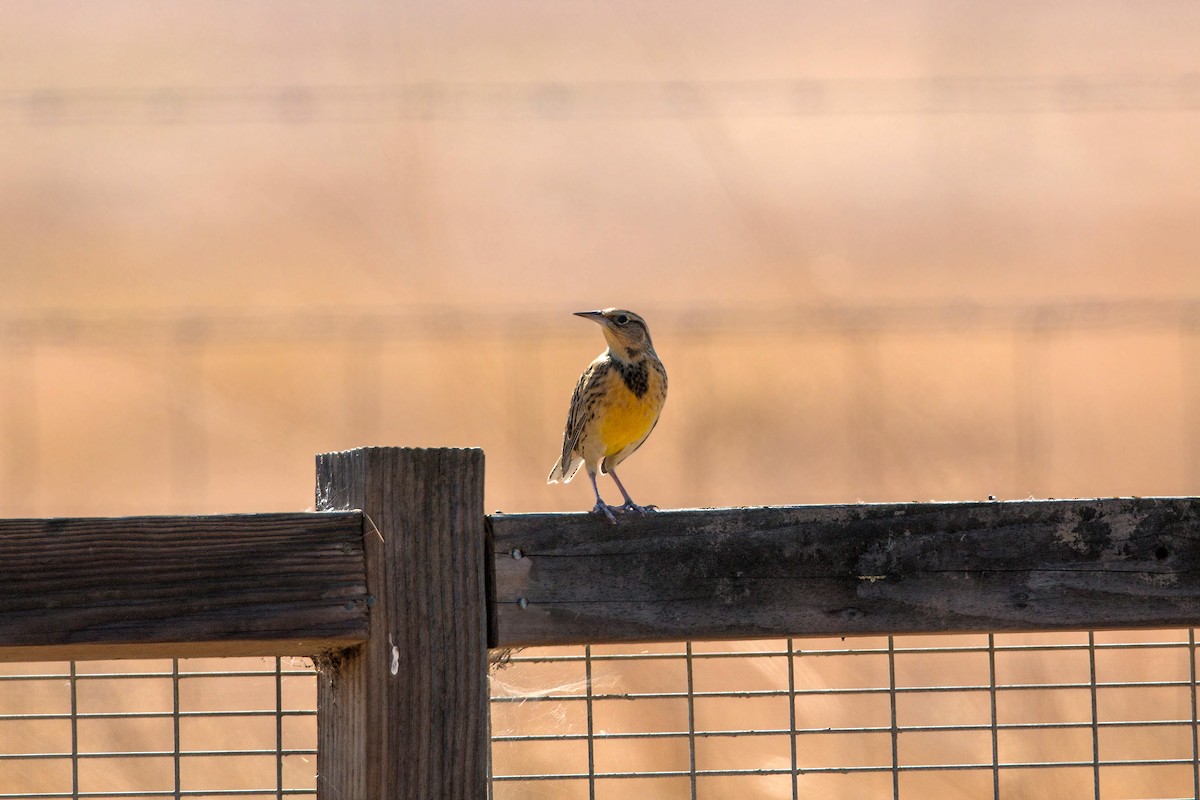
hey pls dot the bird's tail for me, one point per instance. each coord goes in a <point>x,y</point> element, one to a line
<point>564,473</point>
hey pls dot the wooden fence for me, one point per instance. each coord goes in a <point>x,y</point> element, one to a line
<point>399,584</point>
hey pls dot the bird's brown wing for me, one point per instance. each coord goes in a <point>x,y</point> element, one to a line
<point>583,406</point>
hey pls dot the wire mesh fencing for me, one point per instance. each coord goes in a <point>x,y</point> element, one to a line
<point>1104,715</point>
<point>1031,715</point>
<point>197,728</point>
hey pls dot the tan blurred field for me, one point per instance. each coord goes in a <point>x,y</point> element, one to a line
<point>888,251</point>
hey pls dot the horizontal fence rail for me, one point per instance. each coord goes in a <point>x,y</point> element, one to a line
<point>144,587</point>
<point>294,583</point>
<point>847,570</point>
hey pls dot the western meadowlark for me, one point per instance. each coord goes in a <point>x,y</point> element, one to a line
<point>615,405</point>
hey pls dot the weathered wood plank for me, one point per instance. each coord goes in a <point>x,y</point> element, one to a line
<point>404,716</point>
<point>843,570</point>
<point>139,587</point>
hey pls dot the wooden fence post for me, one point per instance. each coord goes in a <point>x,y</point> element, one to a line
<point>405,716</point>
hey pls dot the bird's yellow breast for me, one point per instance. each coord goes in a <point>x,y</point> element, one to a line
<point>626,419</point>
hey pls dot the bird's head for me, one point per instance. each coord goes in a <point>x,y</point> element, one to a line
<point>626,332</point>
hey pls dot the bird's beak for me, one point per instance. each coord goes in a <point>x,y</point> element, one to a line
<point>594,316</point>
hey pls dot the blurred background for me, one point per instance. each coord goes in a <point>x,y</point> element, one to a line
<point>888,251</point>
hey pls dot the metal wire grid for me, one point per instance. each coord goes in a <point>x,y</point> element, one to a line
<point>589,693</point>
<point>1099,763</point>
<point>30,769</point>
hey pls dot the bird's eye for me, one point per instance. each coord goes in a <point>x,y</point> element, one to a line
<point>622,319</point>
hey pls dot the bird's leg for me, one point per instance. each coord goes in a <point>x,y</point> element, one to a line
<point>629,504</point>
<point>601,507</point>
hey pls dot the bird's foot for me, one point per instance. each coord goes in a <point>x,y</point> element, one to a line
<point>606,510</point>
<point>632,506</point>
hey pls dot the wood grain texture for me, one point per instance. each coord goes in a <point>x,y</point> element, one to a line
<point>404,717</point>
<point>844,570</point>
<point>139,587</point>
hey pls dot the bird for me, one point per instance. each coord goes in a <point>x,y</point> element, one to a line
<point>616,405</point>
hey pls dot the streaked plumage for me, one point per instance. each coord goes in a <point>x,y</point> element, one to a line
<point>615,406</point>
